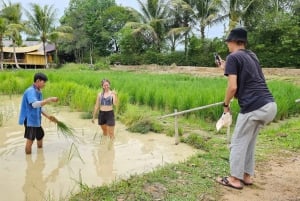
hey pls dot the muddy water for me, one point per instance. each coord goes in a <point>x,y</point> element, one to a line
<point>56,170</point>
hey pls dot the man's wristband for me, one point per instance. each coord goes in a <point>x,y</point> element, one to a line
<point>224,105</point>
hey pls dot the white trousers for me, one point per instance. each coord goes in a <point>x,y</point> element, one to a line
<point>242,147</point>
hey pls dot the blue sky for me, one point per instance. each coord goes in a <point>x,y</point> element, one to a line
<point>61,5</point>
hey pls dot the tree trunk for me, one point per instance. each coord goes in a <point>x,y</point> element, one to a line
<point>45,55</point>
<point>91,55</point>
<point>202,31</point>
<point>1,56</point>
<point>15,55</point>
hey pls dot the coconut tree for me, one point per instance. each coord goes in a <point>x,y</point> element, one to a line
<point>155,14</point>
<point>209,13</point>
<point>176,36</point>
<point>41,23</point>
<point>237,9</point>
<point>13,32</point>
<point>182,19</point>
<point>12,24</point>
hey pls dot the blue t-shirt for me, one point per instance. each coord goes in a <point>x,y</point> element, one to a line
<point>33,115</point>
<point>252,91</point>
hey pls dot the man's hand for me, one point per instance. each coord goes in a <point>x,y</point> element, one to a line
<point>52,99</point>
<point>53,119</point>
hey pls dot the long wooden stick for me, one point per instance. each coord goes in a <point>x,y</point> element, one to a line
<point>190,110</point>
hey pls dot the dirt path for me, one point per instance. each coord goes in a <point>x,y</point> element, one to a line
<point>276,179</point>
<point>282,73</point>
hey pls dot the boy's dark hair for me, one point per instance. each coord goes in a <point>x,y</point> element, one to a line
<point>40,76</point>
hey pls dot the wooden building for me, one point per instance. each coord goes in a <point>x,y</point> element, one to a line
<point>29,56</point>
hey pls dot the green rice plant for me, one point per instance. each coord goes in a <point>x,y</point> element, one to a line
<point>160,100</point>
<point>74,152</point>
<point>150,98</point>
<point>63,128</point>
<point>164,92</point>
<point>122,103</point>
<point>83,99</point>
<point>141,95</point>
<point>285,95</point>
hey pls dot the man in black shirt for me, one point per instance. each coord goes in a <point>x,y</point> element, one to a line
<point>247,84</point>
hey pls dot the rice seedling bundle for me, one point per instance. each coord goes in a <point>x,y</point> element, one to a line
<point>62,127</point>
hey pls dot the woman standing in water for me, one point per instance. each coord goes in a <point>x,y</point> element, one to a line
<point>104,105</point>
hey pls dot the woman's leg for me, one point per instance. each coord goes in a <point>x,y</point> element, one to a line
<point>40,143</point>
<point>111,130</point>
<point>104,129</point>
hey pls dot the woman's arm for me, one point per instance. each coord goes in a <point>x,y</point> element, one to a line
<point>115,98</point>
<point>96,108</point>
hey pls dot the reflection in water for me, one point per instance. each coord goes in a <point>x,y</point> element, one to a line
<point>34,186</point>
<point>104,160</point>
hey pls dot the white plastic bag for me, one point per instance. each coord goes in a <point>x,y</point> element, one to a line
<point>224,121</point>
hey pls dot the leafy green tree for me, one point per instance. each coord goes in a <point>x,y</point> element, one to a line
<point>58,35</point>
<point>89,34</point>
<point>74,17</point>
<point>113,20</point>
<point>278,30</point>
<point>137,38</point>
<point>41,23</point>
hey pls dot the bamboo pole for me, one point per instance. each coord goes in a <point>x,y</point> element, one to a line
<point>176,128</point>
<point>190,110</point>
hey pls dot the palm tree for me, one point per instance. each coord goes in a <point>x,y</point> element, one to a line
<point>182,20</point>
<point>13,27</point>
<point>176,36</point>
<point>209,13</point>
<point>41,23</point>
<point>13,31</point>
<point>155,14</point>
<point>237,9</point>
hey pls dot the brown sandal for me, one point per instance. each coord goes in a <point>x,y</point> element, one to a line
<point>225,182</point>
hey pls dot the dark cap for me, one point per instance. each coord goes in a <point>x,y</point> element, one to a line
<point>237,34</point>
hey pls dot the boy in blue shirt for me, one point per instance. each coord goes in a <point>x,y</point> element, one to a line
<point>31,111</point>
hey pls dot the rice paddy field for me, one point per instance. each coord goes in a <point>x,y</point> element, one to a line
<point>159,92</point>
<point>145,96</point>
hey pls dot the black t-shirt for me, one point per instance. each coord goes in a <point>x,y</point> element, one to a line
<point>252,91</point>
